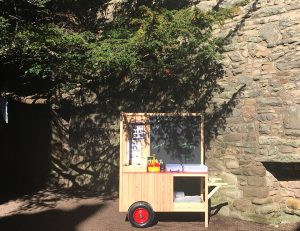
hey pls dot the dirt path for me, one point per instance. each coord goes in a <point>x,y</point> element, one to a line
<point>48,211</point>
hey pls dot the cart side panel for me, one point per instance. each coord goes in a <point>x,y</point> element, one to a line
<point>156,189</point>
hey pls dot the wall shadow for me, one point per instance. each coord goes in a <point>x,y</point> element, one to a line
<point>179,217</point>
<point>283,171</point>
<point>27,149</point>
<point>90,158</point>
<point>55,219</point>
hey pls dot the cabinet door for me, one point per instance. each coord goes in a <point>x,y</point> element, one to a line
<point>154,188</point>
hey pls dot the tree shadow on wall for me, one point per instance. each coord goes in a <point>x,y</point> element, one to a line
<point>88,158</point>
<point>85,148</point>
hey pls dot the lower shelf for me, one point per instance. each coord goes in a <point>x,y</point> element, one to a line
<point>188,207</point>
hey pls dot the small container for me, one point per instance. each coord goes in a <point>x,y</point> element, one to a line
<point>162,166</point>
<point>173,168</point>
<point>194,168</point>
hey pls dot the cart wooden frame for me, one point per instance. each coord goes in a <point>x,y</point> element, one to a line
<point>156,189</point>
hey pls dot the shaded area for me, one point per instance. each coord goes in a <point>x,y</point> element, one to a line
<point>85,148</point>
<point>49,198</point>
<point>49,220</point>
<point>283,171</point>
<point>180,217</point>
<point>215,209</point>
<point>228,38</point>
<point>189,185</point>
<point>175,139</point>
<point>25,155</point>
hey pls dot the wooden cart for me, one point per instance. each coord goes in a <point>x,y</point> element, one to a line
<point>142,193</point>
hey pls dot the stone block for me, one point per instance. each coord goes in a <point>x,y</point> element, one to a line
<point>270,33</point>
<point>256,181</point>
<point>259,192</point>
<point>290,132</point>
<point>286,149</point>
<point>297,212</point>
<point>251,151</point>
<point>262,201</point>
<point>294,184</point>
<point>251,93</point>
<point>292,118</point>
<point>232,137</point>
<point>235,56</point>
<point>245,80</point>
<point>284,184</point>
<point>229,178</point>
<point>254,171</point>
<point>274,140</point>
<point>268,208</point>
<point>270,101</point>
<point>258,50</point>
<point>295,94</point>
<point>236,214</point>
<point>249,102</point>
<point>251,137</point>
<point>224,211</point>
<point>231,192</point>
<point>236,171</point>
<point>269,11</point>
<point>288,65</point>
<point>242,205</point>
<point>293,203</point>
<point>231,163</point>
<point>264,129</point>
<point>285,23</point>
<point>275,56</point>
<point>297,193</point>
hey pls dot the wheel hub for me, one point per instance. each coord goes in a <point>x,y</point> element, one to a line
<point>141,215</point>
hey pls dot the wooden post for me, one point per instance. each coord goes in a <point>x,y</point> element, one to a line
<point>121,161</point>
<point>206,201</point>
<point>202,140</point>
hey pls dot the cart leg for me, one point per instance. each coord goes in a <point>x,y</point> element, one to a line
<point>206,202</point>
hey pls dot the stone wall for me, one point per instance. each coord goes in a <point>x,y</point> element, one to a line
<point>263,55</point>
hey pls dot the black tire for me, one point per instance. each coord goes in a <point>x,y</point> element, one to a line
<point>141,214</point>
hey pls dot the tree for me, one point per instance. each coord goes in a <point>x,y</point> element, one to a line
<point>142,49</point>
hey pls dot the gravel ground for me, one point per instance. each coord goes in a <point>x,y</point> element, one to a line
<point>49,211</point>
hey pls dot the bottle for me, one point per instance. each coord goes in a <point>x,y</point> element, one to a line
<point>162,166</point>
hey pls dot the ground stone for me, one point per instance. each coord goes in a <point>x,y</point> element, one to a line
<point>256,181</point>
<point>242,205</point>
<point>288,65</point>
<point>232,164</point>
<point>262,201</point>
<point>271,33</point>
<point>254,171</point>
<point>294,184</point>
<point>268,208</point>
<point>259,192</point>
<point>292,118</point>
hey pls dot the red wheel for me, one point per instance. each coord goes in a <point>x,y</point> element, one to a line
<point>140,214</point>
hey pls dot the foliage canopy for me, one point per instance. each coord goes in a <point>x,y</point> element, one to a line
<point>164,56</point>
<point>151,56</point>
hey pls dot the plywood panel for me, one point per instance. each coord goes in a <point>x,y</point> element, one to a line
<point>154,188</point>
<point>164,193</point>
